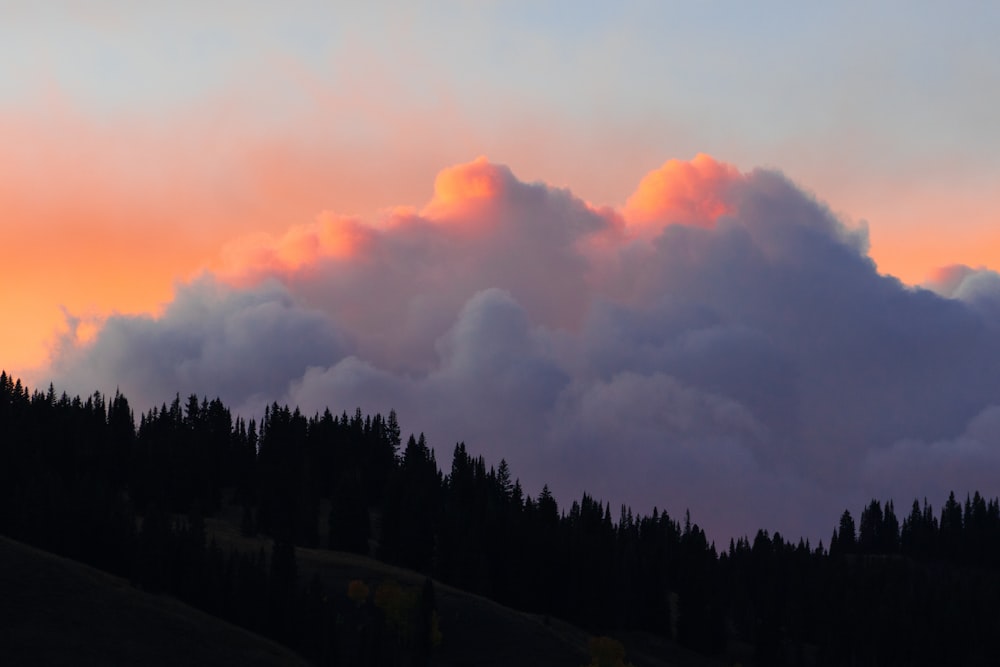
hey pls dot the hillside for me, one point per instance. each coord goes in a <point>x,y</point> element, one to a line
<point>476,630</point>
<point>55,611</point>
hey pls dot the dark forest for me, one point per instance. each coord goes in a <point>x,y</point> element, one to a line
<point>86,479</point>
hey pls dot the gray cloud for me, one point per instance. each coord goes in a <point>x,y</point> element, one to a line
<point>966,462</point>
<point>980,288</point>
<point>494,385</point>
<point>750,364</point>
<point>211,340</point>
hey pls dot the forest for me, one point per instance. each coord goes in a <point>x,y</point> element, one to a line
<point>84,478</point>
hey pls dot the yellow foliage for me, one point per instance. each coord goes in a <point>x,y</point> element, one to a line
<point>606,652</point>
<point>436,638</point>
<point>357,591</point>
<point>387,595</point>
<point>397,604</point>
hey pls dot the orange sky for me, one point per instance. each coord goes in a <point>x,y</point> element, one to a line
<point>105,217</point>
<point>102,217</point>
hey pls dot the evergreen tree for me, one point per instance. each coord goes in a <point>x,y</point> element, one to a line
<point>845,537</point>
<point>951,528</point>
<point>870,538</point>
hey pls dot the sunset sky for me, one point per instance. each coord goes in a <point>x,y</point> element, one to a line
<point>679,241</point>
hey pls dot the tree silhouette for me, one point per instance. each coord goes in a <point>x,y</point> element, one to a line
<point>78,478</point>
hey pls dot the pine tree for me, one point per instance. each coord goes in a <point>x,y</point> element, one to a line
<point>870,530</point>
<point>846,538</point>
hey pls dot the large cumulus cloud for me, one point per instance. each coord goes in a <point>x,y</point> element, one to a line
<point>213,339</point>
<point>723,342</point>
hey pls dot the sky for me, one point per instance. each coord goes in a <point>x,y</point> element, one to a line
<point>732,257</point>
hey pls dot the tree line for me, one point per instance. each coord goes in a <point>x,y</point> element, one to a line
<point>86,479</point>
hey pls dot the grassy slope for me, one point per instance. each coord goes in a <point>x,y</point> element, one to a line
<point>54,611</point>
<point>476,631</point>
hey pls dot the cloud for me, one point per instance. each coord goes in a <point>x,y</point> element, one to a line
<point>689,193</point>
<point>330,237</point>
<point>980,288</point>
<point>210,340</point>
<point>915,468</point>
<point>724,343</point>
<point>494,384</point>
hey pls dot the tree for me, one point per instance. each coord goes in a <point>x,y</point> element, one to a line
<point>392,432</point>
<point>890,530</point>
<point>870,530</point>
<point>951,528</point>
<point>348,519</point>
<point>503,479</point>
<point>846,538</point>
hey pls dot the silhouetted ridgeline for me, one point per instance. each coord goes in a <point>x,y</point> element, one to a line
<point>75,474</point>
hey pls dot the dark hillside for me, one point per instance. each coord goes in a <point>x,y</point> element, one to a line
<point>55,611</point>
<point>476,630</point>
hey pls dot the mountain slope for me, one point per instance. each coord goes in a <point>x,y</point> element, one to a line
<point>476,630</point>
<point>55,611</point>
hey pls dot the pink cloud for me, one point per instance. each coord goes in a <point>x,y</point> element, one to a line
<point>686,192</point>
